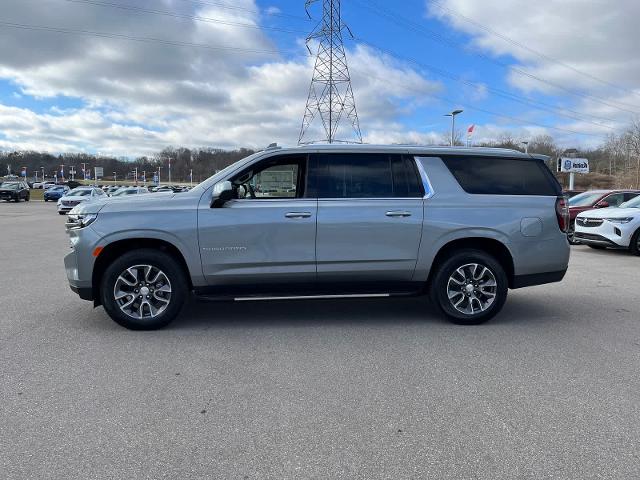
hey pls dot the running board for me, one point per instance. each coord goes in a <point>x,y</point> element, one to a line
<point>263,298</point>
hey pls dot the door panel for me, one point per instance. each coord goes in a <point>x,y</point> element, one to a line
<point>369,240</point>
<point>258,241</point>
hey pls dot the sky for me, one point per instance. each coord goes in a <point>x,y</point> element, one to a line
<point>130,77</point>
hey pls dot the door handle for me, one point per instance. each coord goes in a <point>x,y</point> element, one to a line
<point>398,213</point>
<point>297,215</point>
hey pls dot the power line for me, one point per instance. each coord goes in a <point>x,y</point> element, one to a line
<point>442,72</point>
<point>121,36</point>
<point>117,36</point>
<point>418,28</point>
<point>502,93</point>
<point>248,10</point>
<point>529,49</point>
<point>167,13</point>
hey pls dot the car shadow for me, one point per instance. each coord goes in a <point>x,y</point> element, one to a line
<point>364,311</point>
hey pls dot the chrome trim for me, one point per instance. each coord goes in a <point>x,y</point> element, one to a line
<point>312,297</point>
<point>428,188</point>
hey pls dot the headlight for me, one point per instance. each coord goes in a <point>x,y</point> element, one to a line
<point>78,221</point>
<point>619,220</point>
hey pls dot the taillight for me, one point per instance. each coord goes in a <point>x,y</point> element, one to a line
<point>562,212</point>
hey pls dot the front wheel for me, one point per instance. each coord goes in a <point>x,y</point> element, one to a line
<point>470,287</point>
<point>144,289</point>
<point>634,246</point>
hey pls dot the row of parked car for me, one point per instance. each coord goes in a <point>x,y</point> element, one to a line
<point>606,219</point>
<point>68,198</point>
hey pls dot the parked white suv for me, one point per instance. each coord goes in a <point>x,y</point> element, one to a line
<point>77,196</point>
<point>611,227</point>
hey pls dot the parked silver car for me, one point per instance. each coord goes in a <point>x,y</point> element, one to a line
<point>461,225</point>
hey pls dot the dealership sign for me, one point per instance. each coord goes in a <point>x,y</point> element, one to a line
<point>573,165</point>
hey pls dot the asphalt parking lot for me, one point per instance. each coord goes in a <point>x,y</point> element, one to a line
<point>322,389</point>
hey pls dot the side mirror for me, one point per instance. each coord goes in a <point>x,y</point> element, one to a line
<point>222,193</point>
<point>602,204</point>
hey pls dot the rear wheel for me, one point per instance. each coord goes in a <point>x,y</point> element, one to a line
<point>634,246</point>
<point>144,289</point>
<point>470,287</point>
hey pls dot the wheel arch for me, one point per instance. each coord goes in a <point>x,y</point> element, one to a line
<point>493,247</point>
<point>114,249</point>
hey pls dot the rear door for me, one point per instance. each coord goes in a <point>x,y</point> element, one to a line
<point>370,212</point>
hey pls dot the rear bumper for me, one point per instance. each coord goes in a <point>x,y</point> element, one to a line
<point>520,281</point>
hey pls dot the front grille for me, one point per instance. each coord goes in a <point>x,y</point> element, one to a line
<point>591,236</point>
<point>589,222</point>
<point>70,203</point>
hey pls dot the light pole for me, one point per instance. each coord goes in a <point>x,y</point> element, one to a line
<point>526,147</point>
<point>159,168</point>
<point>169,171</point>
<point>115,178</point>
<point>42,168</point>
<point>453,124</point>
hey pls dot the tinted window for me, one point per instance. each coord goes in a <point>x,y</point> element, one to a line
<point>363,176</point>
<point>502,176</point>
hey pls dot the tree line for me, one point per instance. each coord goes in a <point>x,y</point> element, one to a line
<point>614,164</point>
<point>202,163</point>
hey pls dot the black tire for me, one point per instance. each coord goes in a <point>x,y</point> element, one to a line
<point>26,199</point>
<point>571,234</point>
<point>634,247</point>
<point>46,200</point>
<point>597,247</point>
<point>446,269</point>
<point>157,259</point>
<point>61,213</point>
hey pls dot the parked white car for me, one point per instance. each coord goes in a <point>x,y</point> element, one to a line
<point>77,196</point>
<point>611,227</point>
<point>124,191</point>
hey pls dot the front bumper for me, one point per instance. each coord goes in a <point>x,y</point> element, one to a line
<point>79,262</point>
<point>613,235</point>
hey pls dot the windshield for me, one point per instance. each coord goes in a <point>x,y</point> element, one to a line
<point>79,193</point>
<point>11,186</point>
<point>125,191</point>
<point>633,203</point>
<point>585,199</point>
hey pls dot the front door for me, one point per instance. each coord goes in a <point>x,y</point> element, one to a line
<point>266,235</point>
<point>370,213</point>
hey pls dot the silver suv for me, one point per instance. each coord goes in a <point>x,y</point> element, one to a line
<point>461,225</point>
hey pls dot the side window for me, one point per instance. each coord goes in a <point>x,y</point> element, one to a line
<point>274,178</point>
<point>614,200</point>
<point>344,175</point>
<point>629,196</point>
<point>502,176</point>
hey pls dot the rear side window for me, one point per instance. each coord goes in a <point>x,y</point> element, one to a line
<point>503,176</point>
<point>343,175</point>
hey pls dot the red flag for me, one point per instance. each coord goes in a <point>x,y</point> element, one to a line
<point>470,129</point>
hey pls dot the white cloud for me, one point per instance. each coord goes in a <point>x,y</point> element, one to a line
<point>142,96</point>
<point>551,40</point>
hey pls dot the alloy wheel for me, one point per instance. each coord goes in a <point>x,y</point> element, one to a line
<point>142,292</point>
<point>472,288</point>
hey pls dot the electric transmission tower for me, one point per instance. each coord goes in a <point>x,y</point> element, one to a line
<point>330,94</point>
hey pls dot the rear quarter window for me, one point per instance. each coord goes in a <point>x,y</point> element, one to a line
<point>503,176</point>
